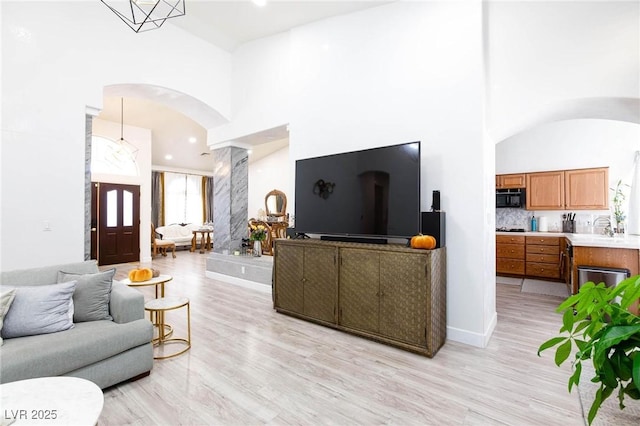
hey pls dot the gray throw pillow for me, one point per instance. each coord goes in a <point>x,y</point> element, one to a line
<point>6,297</point>
<point>92,296</point>
<point>39,309</point>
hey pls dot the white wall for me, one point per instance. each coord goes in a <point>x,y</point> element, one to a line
<point>56,59</point>
<point>261,84</point>
<point>399,73</point>
<point>269,173</point>
<point>141,139</point>
<point>544,54</point>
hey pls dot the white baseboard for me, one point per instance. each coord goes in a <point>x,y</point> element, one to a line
<point>479,340</point>
<point>264,288</point>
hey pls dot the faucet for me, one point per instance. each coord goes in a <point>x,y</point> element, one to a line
<point>608,231</point>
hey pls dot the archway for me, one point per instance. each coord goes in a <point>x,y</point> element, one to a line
<point>185,104</point>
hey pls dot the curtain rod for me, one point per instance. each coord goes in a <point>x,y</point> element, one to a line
<point>181,173</point>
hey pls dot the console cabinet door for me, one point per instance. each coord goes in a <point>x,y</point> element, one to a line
<point>359,289</point>
<point>320,283</point>
<point>403,297</point>
<point>289,291</point>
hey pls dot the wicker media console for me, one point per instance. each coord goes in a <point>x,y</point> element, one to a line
<point>389,293</point>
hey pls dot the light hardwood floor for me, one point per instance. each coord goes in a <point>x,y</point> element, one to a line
<point>249,365</point>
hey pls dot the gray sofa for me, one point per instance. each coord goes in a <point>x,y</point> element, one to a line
<point>105,352</point>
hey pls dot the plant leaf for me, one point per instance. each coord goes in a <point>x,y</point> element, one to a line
<point>563,352</point>
<point>567,320</point>
<point>597,401</point>
<point>607,374</point>
<point>575,377</point>
<point>635,370</point>
<point>550,343</point>
<point>612,336</point>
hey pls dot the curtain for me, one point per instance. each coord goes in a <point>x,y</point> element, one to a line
<point>207,199</point>
<point>633,221</point>
<point>157,211</point>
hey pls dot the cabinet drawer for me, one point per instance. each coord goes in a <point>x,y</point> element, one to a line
<point>513,251</point>
<point>549,241</point>
<point>545,270</point>
<point>534,249</point>
<point>510,266</point>
<point>510,239</point>
<point>543,258</point>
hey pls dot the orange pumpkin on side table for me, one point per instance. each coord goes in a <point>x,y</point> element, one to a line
<point>139,275</point>
<point>426,242</point>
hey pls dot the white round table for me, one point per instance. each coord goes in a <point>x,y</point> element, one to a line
<point>51,401</point>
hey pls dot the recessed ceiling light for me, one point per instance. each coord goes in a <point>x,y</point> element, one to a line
<point>168,157</point>
<point>249,152</point>
<point>259,3</point>
<point>193,140</point>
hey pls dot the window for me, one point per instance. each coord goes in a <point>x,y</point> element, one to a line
<point>182,198</point>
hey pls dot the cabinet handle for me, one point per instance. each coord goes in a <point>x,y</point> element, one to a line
<point>513,251</point>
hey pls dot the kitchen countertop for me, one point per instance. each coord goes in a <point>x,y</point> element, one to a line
<point>586,240</point>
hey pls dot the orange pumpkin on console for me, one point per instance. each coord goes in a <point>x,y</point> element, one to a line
<point>420,241</point>
<point>139,275</point>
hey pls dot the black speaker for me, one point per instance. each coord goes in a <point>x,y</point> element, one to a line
<point>435,203</point>
<point>433,223</point>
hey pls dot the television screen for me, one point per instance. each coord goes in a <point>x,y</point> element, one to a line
<point>374,192</point>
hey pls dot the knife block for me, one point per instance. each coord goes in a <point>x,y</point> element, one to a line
<point>569,226</point>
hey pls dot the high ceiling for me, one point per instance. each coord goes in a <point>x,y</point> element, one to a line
<point>226,24</point>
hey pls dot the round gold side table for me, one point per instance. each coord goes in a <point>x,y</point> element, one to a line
<point>157,309</point>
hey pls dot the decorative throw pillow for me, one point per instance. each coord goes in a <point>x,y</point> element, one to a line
<point>39,309</point>
<point>6,297</point>
<point>92,296</point>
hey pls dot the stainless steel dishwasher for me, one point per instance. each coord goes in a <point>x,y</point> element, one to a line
<point>609,276</point>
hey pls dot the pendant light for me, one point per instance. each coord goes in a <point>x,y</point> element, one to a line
<point>129,147</point>
<point>145,15</point>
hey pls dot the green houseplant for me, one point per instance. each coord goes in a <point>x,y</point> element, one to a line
<point>618,199</point>
<point>601,324</point>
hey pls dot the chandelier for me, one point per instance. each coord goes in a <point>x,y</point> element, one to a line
<point>145,15</point>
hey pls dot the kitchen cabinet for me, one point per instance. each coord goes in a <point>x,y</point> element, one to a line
<point>580,189</point>
<point>587,189</point>
<point>388,293</point>
<point>543,257</point>
<point>511,181</point>
<point>510,254</point>
<point>545,190</point>
<point>307,280</point>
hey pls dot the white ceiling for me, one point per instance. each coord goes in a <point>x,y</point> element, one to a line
<point>227,24</point>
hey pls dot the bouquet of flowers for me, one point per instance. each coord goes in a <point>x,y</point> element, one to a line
<point>258,233</point>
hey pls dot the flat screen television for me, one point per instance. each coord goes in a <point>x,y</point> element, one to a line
<point>373,193</point>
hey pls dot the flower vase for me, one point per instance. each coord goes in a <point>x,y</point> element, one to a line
<point>257,248</point>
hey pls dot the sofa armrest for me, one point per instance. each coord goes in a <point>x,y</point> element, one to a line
<point>127,304</point>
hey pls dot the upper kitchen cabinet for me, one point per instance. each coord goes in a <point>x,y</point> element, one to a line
<point>545,191</point>
<point>581,189</point>
<point>511,181</point>
<point>587,189</point>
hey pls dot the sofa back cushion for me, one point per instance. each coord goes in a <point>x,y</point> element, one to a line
<point>92,296</point>
<point>40,310</point>
<point>45,275</point>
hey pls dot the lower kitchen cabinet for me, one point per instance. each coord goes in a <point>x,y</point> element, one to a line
<point>388,293</point>
<point>510,254</point>
<point>543,257</point>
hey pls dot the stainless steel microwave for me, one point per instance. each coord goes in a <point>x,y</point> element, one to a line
<point>511,198</point>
